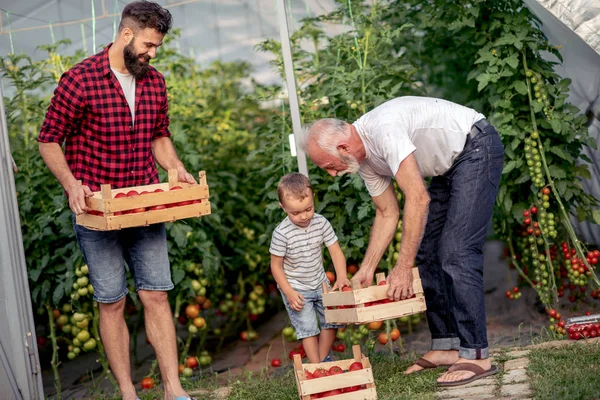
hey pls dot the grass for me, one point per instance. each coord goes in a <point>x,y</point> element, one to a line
<point>390,382</point>
<point>569,372</point>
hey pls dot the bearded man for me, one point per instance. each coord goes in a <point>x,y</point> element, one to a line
<point>444,226</point>
<point>111,113</point>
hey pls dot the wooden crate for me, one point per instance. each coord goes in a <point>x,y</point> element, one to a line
<point>105,204</point>
<point>308,387</point>
<point>355,309</point>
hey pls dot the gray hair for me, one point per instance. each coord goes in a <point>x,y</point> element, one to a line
<point>327,133</point>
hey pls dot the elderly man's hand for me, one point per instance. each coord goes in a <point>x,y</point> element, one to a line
<point>400,284</point>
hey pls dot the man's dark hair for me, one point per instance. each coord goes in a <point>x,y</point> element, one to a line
<point>146,14</point>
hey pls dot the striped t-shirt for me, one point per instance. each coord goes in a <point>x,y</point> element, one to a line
<point>301,251</point>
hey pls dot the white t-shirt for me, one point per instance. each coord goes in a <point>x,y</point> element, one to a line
<point>434,129</point>
<point>127,82</point>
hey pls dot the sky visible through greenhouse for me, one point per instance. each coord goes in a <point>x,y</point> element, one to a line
<point>211,30</point>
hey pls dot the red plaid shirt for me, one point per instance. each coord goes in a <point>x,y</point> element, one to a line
<point>90,113</point>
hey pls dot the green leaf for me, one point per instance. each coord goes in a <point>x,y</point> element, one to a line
<point>483,79</point>
<point>179,232</point>
<point>524,177</point>
<point>596,216</point>
<point>178,275</point>
<point>561,153</point>
<point>507,204</point>
<point>34,274</point>
<point>360,242</point>
<point>509,166</point>
<point>520,87</point>
<point>350,205</point>
<point>59,292</point>
<point>513,60</point>
<point>363,210</point>
<point>557,172</point>
<point>556,125</point>
<point>561,186</point>
<point>537,107</point>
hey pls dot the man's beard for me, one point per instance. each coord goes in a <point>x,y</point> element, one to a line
<point>351,162</point>
<point>137,68</point>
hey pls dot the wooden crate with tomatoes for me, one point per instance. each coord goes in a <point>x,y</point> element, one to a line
<point>112,209</point>
<point>358,305</point>
<point>344,380</point>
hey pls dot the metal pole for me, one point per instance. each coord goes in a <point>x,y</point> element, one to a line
<point>290,78</point>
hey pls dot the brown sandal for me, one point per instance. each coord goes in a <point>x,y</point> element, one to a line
<point>476,369</point>
<point>426,364</point>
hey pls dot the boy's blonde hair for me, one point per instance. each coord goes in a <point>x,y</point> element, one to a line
<point>294,184</point>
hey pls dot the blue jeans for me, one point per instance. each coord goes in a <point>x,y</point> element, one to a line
<point>144,249</point>
<point>450,258</point>
<point>306,322</point>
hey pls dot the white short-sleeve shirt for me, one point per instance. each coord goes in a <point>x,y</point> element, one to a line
<point>434,129</point>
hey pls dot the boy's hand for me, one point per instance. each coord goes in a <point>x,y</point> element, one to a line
<point>296,300</point>
<point>340,283</point>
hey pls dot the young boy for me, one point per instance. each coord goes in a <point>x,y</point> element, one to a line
<point>297,265</point>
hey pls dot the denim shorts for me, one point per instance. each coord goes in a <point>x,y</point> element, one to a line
<point>144,249</point>
<point>305,321</point>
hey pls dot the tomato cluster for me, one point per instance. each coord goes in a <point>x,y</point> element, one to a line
<point>557,324</point>
<point>583,331</point>
<point>513,294</point>
<point>334,370</point>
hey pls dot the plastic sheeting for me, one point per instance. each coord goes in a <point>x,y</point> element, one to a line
<point>574,25</point>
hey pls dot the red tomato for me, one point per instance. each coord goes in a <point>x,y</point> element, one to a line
<point>330,276</point>
<point>191,362</point>
<point>382,283</point>
<point>158,191</point>
<point>331,393</point>
<point>144,192</point>
<point>319,373</point>
<point>158,207</point>
<point>335,370</point>
<point>346,289</point>
<point>355,366</point>
<point>132,193</point>
<point>147,383</point>
<point>276,362</point>
<point>175,188</point>
<point>308,375</point>
<point>351,389</point>
<point>192,311</point>
<point>120,195</point>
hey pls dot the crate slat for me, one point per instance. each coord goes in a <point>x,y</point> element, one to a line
<point>340,381</point>
<point>306,388</point>
<point>366,295</point>
<point>144,218</point>
<point>352,308</point>
<point>105,202</point>
<point>380,312</point>
<point>363,394</point>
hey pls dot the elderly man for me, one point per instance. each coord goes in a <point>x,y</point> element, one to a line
<point>409,138</point>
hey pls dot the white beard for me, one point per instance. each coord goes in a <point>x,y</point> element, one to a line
<point>353,165</point>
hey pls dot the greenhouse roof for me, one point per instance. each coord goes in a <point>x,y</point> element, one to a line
<point>210,29</point>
